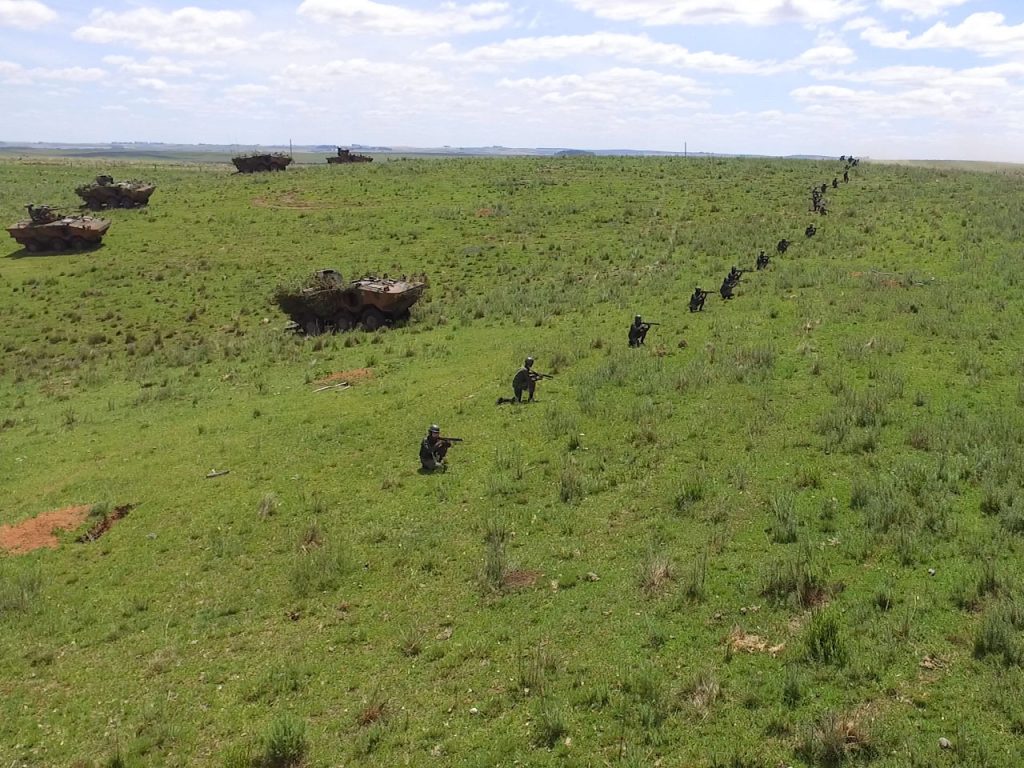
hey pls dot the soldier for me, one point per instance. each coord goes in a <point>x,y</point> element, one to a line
<point>726,289</point>
<point>835,182</point>
<point>762,260</point>
<point>782,246</point>
<point>638,331</point>
<point>734,275</point>
<point>846,177</point>
<point>697,300</point>
<point>433,450</point>
<point>811,229</point>
<point>824,187</point>
<point>525,380</point>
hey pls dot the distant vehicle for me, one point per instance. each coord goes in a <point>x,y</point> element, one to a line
<point>47,230</point>
<point>259,163</point>
<point>106,193</point>
<point>326,302</point>
<point>346,156</point>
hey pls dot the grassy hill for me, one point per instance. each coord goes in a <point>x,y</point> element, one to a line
<point>788,531</point>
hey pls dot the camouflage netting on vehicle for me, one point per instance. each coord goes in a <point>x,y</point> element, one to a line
<point>326,302</point>
<point>321,295</point>
<point>104,192</point>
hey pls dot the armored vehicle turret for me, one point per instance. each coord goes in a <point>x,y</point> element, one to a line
<point>347,156</point>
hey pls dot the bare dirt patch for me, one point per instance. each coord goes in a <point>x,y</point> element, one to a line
<point>290,201</point>
<point>105,524</point>
<point>520,579</point>
<point>356,374</point>
<point>740,641</point>
<point>40,531</point>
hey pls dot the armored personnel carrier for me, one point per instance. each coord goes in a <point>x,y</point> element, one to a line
<point>347,156</point>
<point>259,163</point>
<point>106,193</point>
<point>47,230</point>
<point>326,302</point>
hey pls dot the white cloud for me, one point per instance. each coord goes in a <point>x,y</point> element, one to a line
<point>635,49</point>
<point>13,73</point>
<point>153,67</point>
<point>388,19</point>
<point>943,102</point>
<point>920,8</point>
<point>246,91</point>
<point>621,90</point>
<point>984,33</point>
<point>386,80</point>
<point>188,30</point>
<point>826,53</point>
<point>25,14</point>
<point>995,77</point>
<point>748,12</point>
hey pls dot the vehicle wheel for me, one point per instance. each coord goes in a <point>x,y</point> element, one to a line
<point>373,319</point>
<point>312,326</point>
<point>79,243</point>
<point>343,321</point>
<point>32,246</point>
<point>57,246</point>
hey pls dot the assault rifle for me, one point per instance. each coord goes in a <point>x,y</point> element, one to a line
<point>646,323</point>
<point>541,375</point>
<point>452,439</point>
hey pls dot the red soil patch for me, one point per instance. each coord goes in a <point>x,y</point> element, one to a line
<point>484,212</point>
<point>40,531</point>
<point>356,374</point>
<point>105,524</point>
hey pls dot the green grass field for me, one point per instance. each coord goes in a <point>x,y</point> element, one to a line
<point>787,532</point>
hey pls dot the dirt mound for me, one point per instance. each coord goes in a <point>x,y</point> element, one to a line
<point>105,524</point>
<point>40,531</point>
<point>356,374</point>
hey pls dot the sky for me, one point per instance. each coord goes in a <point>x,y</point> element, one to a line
<point>896,79</point>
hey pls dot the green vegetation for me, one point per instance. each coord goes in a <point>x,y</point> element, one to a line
<point>787,531</point>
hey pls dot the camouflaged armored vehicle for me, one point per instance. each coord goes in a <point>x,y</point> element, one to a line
<point>106,193</point>
<point>326,302</point>
<point>346,156</point>
<point>47,230</point>
<point>259,163</point>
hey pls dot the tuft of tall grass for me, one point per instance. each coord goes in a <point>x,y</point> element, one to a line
<point>794,579</point>
<point>783,521</point>
<point>285,743</point>
<point>823,639</point>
